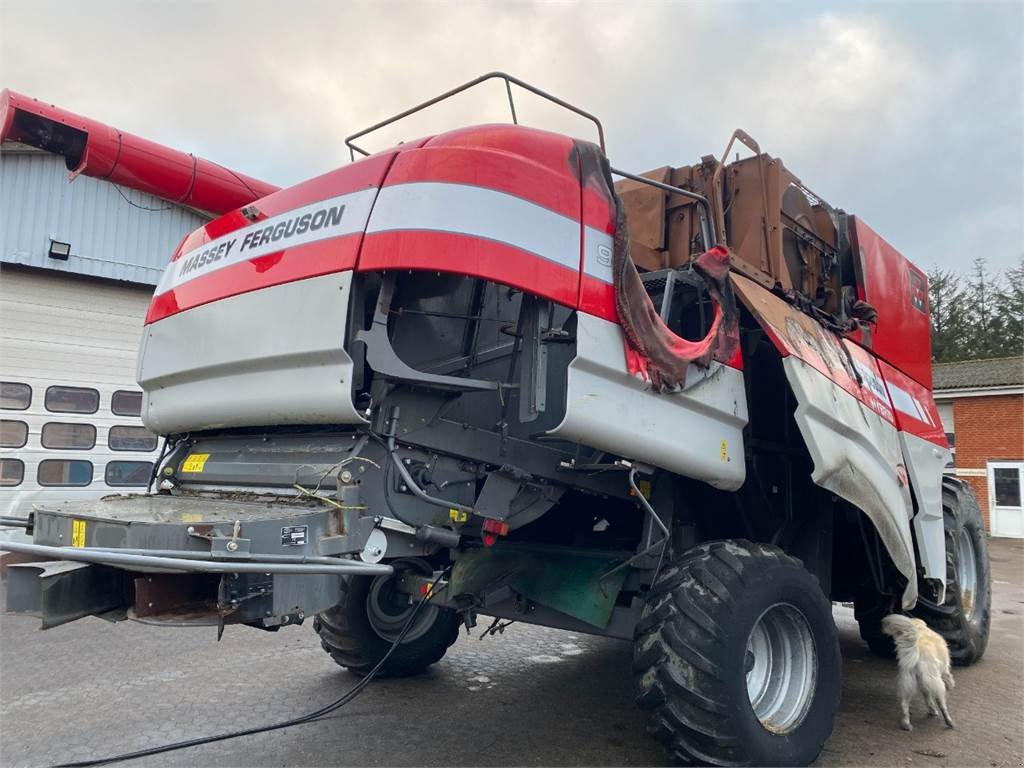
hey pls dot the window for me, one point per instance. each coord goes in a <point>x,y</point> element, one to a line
<point>124,438</point>
<point>74,472</point>
<point>75,437</point>
<point>72,400</point>
<point>129,472</point>
<point>13,434</point>
<point>1007,486</point>
<point>14,396</point>
<point>951,439</point>
<point>125,403</point>
<point>12,471</point>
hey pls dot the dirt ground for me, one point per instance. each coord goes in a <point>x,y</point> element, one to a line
<point>532,696</point>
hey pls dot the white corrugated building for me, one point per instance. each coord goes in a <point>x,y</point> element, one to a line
<point>78,263</point>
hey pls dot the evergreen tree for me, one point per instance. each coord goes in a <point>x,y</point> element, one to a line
<point>949,317</point>
<point>1009,308</point>
<point>978,318</point>
<point>984,326</point>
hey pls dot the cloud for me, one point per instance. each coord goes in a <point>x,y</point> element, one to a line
<point>909,115</point>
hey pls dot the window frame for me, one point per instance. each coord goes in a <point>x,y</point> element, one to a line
<point>13,460</point>
<point>30,395</point>
<point>156,439</point>
<point>106,473</point>
<point>42,432</point>
<point>117,392</point>
<point>46,397</point>
<point>24,442</point>
<point>92,470</point>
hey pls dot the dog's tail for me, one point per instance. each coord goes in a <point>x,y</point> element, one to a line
<point>947,678</point>
<point>896,623</point>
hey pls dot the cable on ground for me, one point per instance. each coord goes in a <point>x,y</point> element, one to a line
<point>348,696</point>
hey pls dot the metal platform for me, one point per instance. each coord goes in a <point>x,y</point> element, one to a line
<point>235,561</point>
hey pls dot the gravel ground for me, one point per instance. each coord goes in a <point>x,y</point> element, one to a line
<point>532,696</point>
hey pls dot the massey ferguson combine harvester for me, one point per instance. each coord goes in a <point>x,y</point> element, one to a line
<point>472,375</point>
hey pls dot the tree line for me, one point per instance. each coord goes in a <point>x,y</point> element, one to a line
<point>977,315</point>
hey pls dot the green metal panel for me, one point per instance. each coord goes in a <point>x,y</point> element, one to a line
<point>565,582</point>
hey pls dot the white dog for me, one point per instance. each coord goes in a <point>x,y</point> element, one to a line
<point>923,658</point>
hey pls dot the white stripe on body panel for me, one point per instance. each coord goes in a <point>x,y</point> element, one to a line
<point>353,220</point>
<point>478,212</point>
<point>597,255</point>
<point>904,402</point>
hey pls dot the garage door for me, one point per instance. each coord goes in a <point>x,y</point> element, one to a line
<point>69,411</point>
<point>1005,482</point>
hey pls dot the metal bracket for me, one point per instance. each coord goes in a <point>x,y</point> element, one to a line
<point>383,359</point>
<point>533,374</point>
<point>500,488</point>
<point>62,591</point>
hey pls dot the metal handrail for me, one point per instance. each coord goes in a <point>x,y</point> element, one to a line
<point>707,222</point>
<point>509,79</point>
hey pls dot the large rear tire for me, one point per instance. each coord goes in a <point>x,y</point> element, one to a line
<point>369,616</point>
<point>964,618</point>
<point>737,659</point>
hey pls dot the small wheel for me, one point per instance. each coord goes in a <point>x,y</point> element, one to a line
<point>369,616</point>
<point>736,657</point>
<point>964,618</point>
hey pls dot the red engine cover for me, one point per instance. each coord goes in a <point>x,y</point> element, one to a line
<point>498,202</point>
<point>899,291</point>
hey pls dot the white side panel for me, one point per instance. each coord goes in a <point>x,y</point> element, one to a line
<point>697,433</point>
<point>925,461</point>
<point>272,356</point>
<point>856,455</point>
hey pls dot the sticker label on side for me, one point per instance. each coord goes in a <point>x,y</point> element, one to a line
<point>195,462</point>
<point>294,535</point>
<point>78,533</point>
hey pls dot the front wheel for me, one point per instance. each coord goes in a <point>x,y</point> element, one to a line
<point>963,619</point>
<point>369,616</point>
<point>736,657</point>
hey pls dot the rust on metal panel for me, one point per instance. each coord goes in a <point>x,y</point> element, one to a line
<point>794,332</point>
<point>159,594</point>
<point>646,206</point>
<point>780,234</point>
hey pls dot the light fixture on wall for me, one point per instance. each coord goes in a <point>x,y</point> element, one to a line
<point>59,250</point>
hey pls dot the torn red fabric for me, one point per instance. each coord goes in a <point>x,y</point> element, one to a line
<point>653,351</point>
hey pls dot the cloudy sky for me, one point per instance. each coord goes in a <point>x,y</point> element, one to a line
<point>908,114</point>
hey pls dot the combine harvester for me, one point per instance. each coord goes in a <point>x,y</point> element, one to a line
<point>472,375</point>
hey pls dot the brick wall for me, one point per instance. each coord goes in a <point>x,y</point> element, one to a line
<point>987,429</point>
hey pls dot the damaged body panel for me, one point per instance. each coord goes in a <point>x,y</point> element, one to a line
<point>847,421</point>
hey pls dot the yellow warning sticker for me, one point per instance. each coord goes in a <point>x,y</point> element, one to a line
<point>645,488</point>
<point>78,533</point>
<point>191,517</point>
<point>458,516</point>
<point>723,450</point>
<point>195,462</point>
